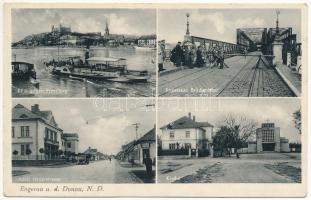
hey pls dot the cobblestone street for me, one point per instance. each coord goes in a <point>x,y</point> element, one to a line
<point>96,172</point>
<point>246,76</point>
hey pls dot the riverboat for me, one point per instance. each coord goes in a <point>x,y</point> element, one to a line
<point>23,71</point>
<point>98,68</point>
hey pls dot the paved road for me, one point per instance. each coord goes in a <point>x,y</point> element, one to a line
<point>244,77</point>
<point>96,172</point>
<point>248,169</point>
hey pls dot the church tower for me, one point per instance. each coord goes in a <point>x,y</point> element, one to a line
<point>107,29</point>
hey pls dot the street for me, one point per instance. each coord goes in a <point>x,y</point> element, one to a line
<point>250,168</point>
<point>102,171</point>
<point>245,76</point>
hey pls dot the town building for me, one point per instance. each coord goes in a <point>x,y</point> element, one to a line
<point>70,142</point>
<point>146,146</point>
<point>92,154</point>
<point>268,139</point>
<point>35,134</point>
<point>68,40</point>
<point>137,150</point>
<point>147,41</point>
<point>187,133</point>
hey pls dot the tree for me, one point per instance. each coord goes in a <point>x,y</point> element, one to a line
<point>60,152</point>
<point>28,152</point>
<point>41,150</point>
<point>240,130</point>
<point>15,152</point>
<point>47,152</point>
<point>222,141</point>
<point>297,120</point>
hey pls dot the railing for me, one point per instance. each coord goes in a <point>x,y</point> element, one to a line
<point>50,141</point>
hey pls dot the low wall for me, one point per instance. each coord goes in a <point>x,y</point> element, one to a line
<point>21,163</point>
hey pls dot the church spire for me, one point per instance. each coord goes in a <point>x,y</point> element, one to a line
<point>107,28</point>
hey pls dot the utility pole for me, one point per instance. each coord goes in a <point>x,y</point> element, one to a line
<point>136,125</point>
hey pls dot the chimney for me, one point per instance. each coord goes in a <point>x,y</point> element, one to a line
<point>189,115</point>
<point>35,108</point>
<point>193,118</point>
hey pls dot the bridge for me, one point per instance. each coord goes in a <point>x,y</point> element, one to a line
<point>261,72</point>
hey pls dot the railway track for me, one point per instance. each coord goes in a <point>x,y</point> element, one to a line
<point>184,79</point>
<point>257,80</point>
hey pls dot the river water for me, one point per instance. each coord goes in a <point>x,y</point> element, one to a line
<point>55,86</point>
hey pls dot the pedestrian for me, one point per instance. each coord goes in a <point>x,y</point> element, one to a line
<point>192,57</point>
<point>148,164</point>
<point>199,60</point>
<point>160,61</point>
<point>186,56</point>
<point>245,52</point>
<point>177,55</point>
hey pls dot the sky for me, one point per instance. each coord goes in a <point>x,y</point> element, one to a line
<point>277,110</point>
<point>101,123</point>
<point>121,21</point>
<point>221,24</point>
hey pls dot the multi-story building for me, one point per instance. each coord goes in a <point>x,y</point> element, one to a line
<point>70,142</point>
<point>187,133</point>
<point>35,133</point>
<point>268,139</point>
<point>147,41</point>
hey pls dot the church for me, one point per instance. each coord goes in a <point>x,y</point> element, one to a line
<point>268,139</point>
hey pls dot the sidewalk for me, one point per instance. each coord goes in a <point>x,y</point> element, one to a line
<point>169,67</point>
<point>138,172</point>
<point>292,78</point>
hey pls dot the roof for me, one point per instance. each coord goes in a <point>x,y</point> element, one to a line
<point>70,135</point>
<point>21,112</point>
<point>149,136</point>
<point>90,151</point>
<point>144,37</point>
<point>186,122</point>
<point>105,59</point>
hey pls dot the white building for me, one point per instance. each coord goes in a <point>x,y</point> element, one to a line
<point>147,41</point>
<point>187,133</point>
<point>268,139</point>
<point>34,131</point>
<point>70,142</point>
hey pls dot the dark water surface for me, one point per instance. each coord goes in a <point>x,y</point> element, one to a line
<point>55,86</point>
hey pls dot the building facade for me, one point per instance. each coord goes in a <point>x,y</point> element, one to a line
<point>35,134</point>
<point>187,133</point>
<point>147,41</point>
<point>70,142</point>
<point>146,146</point>
<point>268,139</point>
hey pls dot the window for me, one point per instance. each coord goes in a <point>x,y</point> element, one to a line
<point>13,131</point>
<point>187,134</point>
<point>172,134</point>
<point>27,131</point>
<point>22,150</point>
<point>55,136</point>
<point>51,135</point>
<point>22,131</point>
<point>68,145</point>
<point>268,135</point>
<point>172,146</point>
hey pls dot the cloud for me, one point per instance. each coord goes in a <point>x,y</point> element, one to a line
<point>106,134</point>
